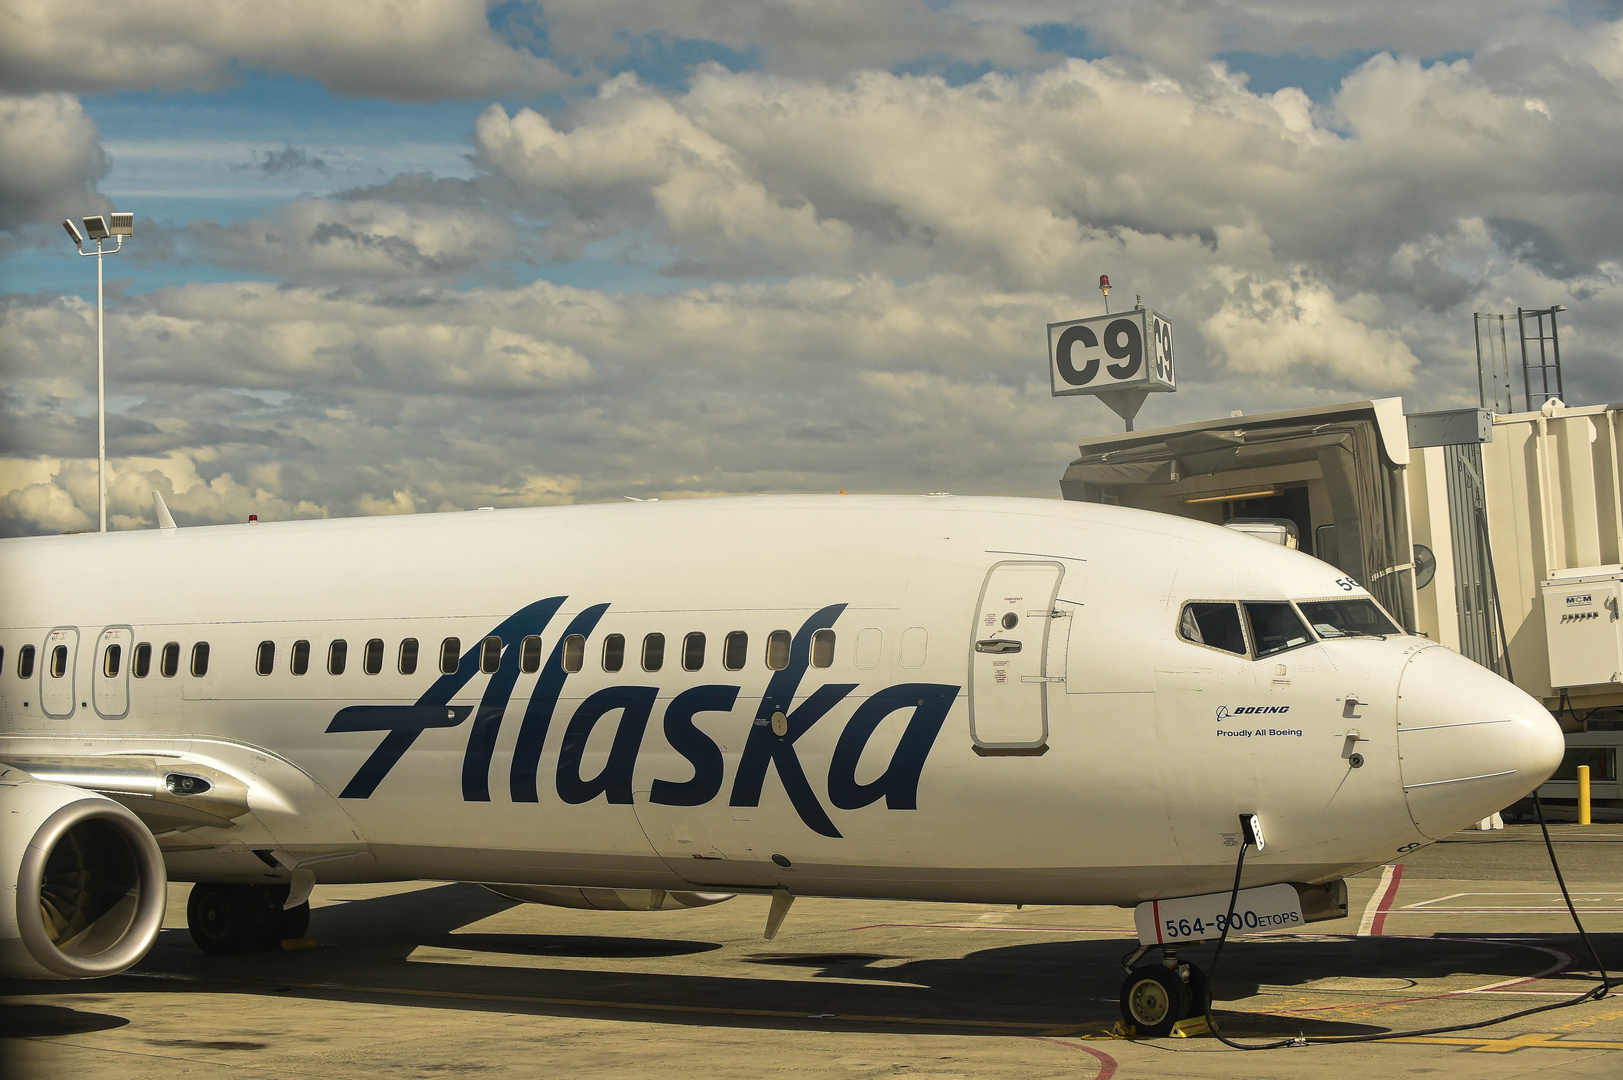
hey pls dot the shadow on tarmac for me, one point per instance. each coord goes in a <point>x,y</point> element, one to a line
<point>1013,989</point>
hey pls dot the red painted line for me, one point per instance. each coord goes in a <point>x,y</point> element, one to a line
<point>1157,911</point>
<point>1379,924</point>
<point>1107,1064</point>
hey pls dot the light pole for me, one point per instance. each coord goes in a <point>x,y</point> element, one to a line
<point>123,225</point>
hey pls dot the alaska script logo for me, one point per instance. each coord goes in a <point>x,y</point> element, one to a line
<point>1224,712</point>
<point>763,750</point>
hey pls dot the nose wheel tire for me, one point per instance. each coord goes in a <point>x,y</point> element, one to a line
<point>1155,998</point>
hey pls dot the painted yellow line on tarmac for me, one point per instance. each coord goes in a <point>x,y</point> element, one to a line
<point>1546,1040</point>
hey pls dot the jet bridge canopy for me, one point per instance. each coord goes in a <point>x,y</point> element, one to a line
<point>1338,472</point>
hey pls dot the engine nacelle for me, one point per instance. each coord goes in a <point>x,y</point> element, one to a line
<point>82,882</point>
<point>608,899</point>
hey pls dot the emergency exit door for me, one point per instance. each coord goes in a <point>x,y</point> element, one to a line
<point>1008,668</point>
<point>57,692</point>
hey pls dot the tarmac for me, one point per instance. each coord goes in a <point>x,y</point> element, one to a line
<point>430,979</point>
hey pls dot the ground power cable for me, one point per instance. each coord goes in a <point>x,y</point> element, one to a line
<point>1594,994</point>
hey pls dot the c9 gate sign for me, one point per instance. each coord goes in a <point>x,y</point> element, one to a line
<point>1130,351</point>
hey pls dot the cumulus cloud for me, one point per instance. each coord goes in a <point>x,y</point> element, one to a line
<point>404,49</point>
<point>1033,178</point>
<point>50,160</point>
<point>355,238</point>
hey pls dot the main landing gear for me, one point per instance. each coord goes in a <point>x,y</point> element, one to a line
<point>228,919</point>
<point>1157,996</point>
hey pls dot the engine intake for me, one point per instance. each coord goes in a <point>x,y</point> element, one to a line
<point>82,882</point>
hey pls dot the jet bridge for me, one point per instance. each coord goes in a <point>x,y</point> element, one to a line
<point>1500,536</point>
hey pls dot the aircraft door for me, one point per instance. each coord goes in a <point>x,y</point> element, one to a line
<point>57,694</point>
<point>110,677</point>
<point>1008,667</point>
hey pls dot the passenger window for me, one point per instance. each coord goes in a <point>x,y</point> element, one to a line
<point>337,657</point>
<point>265,659</point>
<point>200,659</point>
<point>653,652</point>
<point>25,662</point>
<point>490,654</point>
<point>169,660</point>
<point>59,661</point>
<point>450,653</point>
<point>529,660</point>
<point>777,650</point>
<point>1217,625</point>
<point>111,661</point>
<point>870,647</point>
<point>300,660</point>
<point>822,650</point>
<point>141,661</point>
<point>1275,627</point>
<point>735,650</point>
<point>574,652</point>
<point>614,652</point>
<point>915,647</point>
<point>372,658</point>
<point>408,656</point>
<point>693,652</point>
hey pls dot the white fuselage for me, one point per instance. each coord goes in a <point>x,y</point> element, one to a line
<point>1106,761</point>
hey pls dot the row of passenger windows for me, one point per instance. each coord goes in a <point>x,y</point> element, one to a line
<point>112,661</point>
<point>734,653</point>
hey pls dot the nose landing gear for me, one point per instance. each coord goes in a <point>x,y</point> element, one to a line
<point>1155,997</point>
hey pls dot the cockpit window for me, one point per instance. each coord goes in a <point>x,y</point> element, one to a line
<point>1217,625</point>
<point>1275,627</point>
<point>1348,618</point>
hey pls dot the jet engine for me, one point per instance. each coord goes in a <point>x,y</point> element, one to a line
<point>608,899</point>
<point>82,882</point>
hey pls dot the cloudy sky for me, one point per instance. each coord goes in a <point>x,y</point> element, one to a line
<point>400,256</point>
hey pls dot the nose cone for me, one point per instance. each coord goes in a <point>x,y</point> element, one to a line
<point>1471,743</point>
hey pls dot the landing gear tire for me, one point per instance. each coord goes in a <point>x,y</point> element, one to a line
<point>1153,999</point>
<point>225,920</point>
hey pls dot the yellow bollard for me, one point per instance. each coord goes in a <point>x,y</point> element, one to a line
<point>1583,794</point>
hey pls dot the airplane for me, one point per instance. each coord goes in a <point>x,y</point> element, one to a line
<point>659,705</point>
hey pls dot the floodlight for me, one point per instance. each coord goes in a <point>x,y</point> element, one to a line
<point>73,231</point>
<point>97,227</point>
<point>123,225</point>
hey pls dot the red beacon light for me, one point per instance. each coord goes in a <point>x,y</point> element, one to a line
<point>1104,284</point>
<point>253,519</point>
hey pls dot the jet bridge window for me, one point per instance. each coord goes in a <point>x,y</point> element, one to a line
<point>490,654</point>
<point>1347,618</point>
<point>299,661</point>
<point>408,656</point>
<point>59,661</point>
<point>529,656</point>
<point>1275,627</point>
<point>200,659</point>
<point>450,655</point>
<point>777,650</point>
<point>735,650</point>
<point>1213,624</point>
<point>337,656</point>
<point>169,660</point>
<point>653,652</point>
<point>372,658</point>
<point>25,662</point>
<point>141,660</point>
<point>265,658</point>
<point>614,652</point>
<point>693,652</point>
<point>822,650</point>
